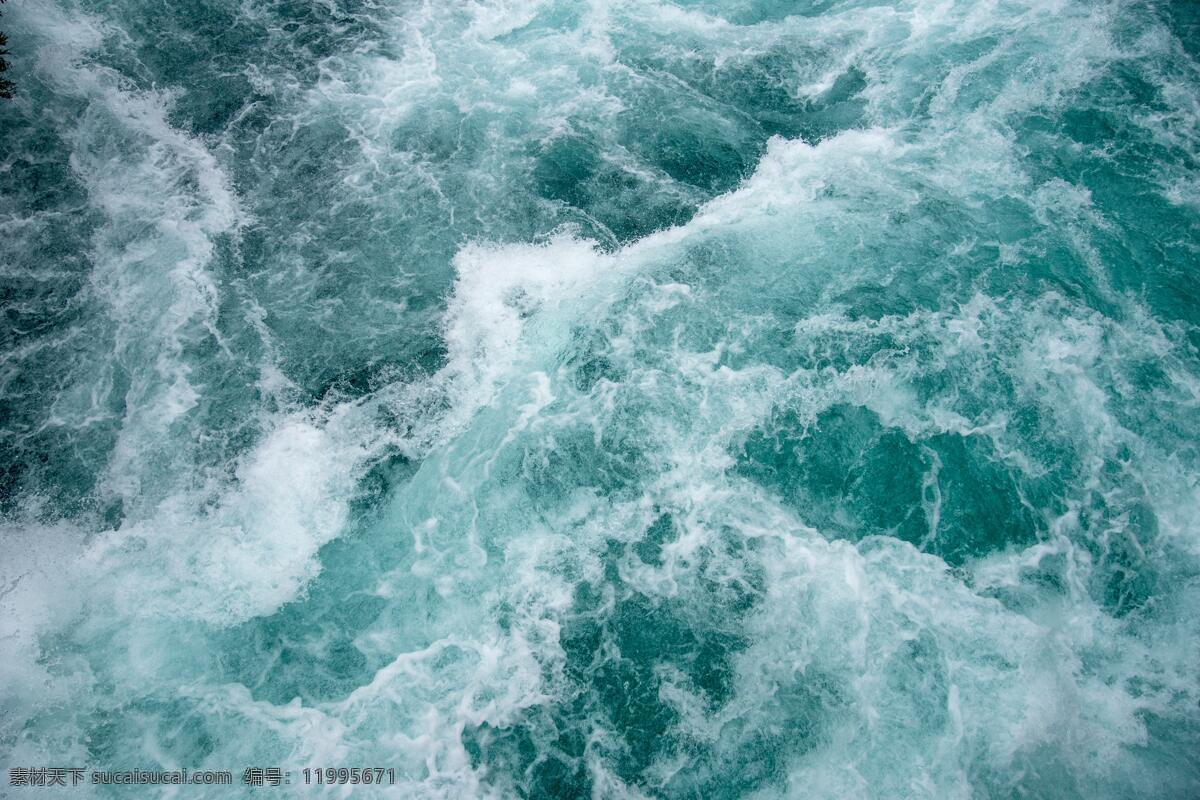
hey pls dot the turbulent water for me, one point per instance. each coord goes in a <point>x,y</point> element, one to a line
<point>603,398</point>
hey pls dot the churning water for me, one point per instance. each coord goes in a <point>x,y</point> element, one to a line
<point>604,398</point>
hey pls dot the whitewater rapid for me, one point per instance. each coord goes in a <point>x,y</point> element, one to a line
<point>609,399</point>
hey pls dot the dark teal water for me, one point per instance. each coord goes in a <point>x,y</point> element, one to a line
<point>606,399</point>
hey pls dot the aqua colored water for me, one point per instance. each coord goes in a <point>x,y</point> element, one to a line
<point>604,399</point>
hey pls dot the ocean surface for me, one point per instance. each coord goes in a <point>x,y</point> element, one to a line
<point>603,398</point>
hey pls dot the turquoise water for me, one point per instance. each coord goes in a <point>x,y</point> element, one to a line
<point>604,399</point>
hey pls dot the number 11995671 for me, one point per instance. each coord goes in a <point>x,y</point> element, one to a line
<point>353,775</point>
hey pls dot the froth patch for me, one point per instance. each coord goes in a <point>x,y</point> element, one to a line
<point>502,292</point>
<point>250,551</point>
